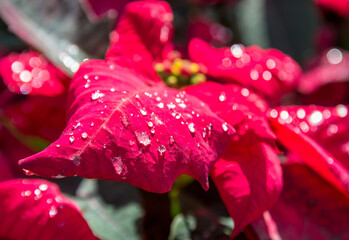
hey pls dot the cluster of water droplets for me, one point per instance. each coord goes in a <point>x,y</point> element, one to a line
<point>240,57</point>
<point>29,73</point>
<point>309,120</point>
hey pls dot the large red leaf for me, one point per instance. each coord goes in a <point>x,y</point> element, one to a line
<point>269,72</point>
<point>121,129</point>
<point>142,36</point>
<point>309,207</point>
<point>31,73</point>
<point>249,181</point>
<point>239,107</point>
<point>319,136</point>
<point>36,210</point>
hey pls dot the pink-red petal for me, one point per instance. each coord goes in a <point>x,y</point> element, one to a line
<point>35,209</point>
<point>249,181</point>
<point>142,36</point>
<point>239,107</point>
<point>304,131</point>
<point>269,72</point>
<point>121,129</point>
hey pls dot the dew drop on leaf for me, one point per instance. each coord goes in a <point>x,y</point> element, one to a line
<point>172,140</point>
<point>71,139</point>
<point>161,150</point>
<point>143,138</point>
<point>84,136</point>
<point>191,127</point>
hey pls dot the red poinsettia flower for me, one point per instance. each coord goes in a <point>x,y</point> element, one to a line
<point>130,130</point>
<point>35,209</point>
<point>126,125</point>
<point>269,72</point>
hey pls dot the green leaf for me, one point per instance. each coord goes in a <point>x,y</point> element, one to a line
<point>58,28</point>
<point>109,221</point>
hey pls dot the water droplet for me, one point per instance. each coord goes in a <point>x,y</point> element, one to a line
<point>245,92</point>
<point>254,75</point>
<point>86,77</point>
<point>77,160</point>
<point>161,150</point>
<point>43,187</point>
<point>28,172</point>
<point>143,138</point>
<point>25,76</point>
<point>158,99</point>
<point>301,113</point>
<point>37,192</point>
<point>76,125</point>
<point>71,139</point>
<point>334,56</point>
<point>225,127</point>
<point>132,142</point>
<point>87,85</point>
<point>150,124</point>
<point>274,113</point>
<point>112,89</point>
<point>143,111</point>
<point>118,165</point>
<point>304,126</point>
<point>270,64</point>
<point>316,118</point>
<point>124,121</point>
<point>284,114</point>
<point>92,124</point>
<point>160,105</point>
<point>178,100</point>
<point>342,110</point>
<point>191,127</point>
<point>96,95</point>
<point>266,75</point>
<point>182,105</point>
<point>171,106</point>
<point>84,136</point>
<point>53,212</point>
<point>172,140</point>
<point>27,193</point>
<point>237,50</point>
<point>96,77</point>
<point>222,97</point>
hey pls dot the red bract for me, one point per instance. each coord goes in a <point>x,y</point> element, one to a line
<point>328,76</point>
<point>268,72</point>
<point>310,207</point>
<point>239,107</point>
<point>248,175</point>
<point>35,209</point>
<point>142,36</point>
<point>249,181</point>
<point>315,134</point>
<point>121,129</point>
<point>340,7</point>
<point>31,73</point>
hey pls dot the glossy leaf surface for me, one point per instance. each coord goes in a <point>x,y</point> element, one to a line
<point>121,129</point>
<point>239,107</point>
<point>249,181</point>
<point>269,72</point>
<point>35,209</point>
<point>319,136</point>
